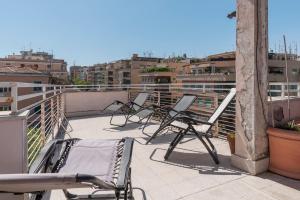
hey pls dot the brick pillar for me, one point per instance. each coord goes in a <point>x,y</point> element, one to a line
<point>251,79</point>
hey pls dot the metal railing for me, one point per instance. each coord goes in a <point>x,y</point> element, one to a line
<point>46,104</point>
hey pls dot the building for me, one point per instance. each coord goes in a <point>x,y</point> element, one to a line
<point>40,61</point>
<point>99,74</point>
<point>121,70</point>
<point>21,74</point>
<point>79,73</point>
<point>221,68</point>
<point>139,65</point>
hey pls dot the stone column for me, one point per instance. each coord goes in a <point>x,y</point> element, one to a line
<point>251,82</point>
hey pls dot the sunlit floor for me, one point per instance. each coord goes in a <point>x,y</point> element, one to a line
<point>190,173</point>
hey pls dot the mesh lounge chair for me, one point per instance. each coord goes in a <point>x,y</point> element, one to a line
<point>129,109</point>
<point>100,164</point>
<point>200,128</point>
<point>169,113</point>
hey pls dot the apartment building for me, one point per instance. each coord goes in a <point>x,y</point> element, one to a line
<point>99,74</point>
<point>121,72</point>
<point>21,74</point>
<point>40,61</point>
<point>221,68</point>
<point>139,65</point>
<point>164,72</point>
<point>79,72</point>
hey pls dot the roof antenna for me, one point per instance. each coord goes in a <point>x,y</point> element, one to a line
<point>287,77</point>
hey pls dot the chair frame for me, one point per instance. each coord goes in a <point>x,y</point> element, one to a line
<point>44,163</point>
<point>190,119</point>
<point>167,118</point>
<point>127,109</point>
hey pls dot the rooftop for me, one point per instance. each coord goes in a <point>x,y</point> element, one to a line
<point>190,173</point>
<point>20,70</point>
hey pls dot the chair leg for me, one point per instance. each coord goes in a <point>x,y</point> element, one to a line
<point>120,125</point>
<point>175,142</point>
<point>155,134</point>
<point>210,148</point>
<point>146,123</point>
<point>161,127</point>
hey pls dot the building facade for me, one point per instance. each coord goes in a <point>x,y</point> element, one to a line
<point>221,68</point>
<point>21,74</point>
<point>79,73</point>
<point>40,61</point>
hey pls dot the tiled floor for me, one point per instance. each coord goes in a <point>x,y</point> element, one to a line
<point>190,173</point>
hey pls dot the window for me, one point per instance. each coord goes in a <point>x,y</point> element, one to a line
<point>4,91</point>
<point>5,108</point>
<point>295,71</point>
<point>37,89</point>
<point>49,67</point>
<point>276,70</point>
<point>35,66</point>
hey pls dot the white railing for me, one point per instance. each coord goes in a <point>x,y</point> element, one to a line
<point>45,106</point>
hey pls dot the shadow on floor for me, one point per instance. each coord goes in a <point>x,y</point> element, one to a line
<point>196,160</point>
<point>292,183</point>
<point>128,127</point>
<point>165,138</point>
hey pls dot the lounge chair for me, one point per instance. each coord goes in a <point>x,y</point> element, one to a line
<point>127,109</point>
<point>167,113</point>
<point>190,123</point>
<point>103,165</point>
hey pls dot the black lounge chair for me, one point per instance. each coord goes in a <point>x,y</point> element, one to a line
<point>103,165</point>
<point>190,123</point>
<point>168,113</point>
<point>127,109</point>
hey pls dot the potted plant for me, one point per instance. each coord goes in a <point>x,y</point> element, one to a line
<point>231,142</point>
<point>284,144</point>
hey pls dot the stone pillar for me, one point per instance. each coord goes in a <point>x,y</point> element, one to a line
<point>251,83</point>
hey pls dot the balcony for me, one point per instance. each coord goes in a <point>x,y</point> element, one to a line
<point>189,174</point>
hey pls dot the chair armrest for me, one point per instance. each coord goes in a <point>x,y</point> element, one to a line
<point>152,106</point>
<point>191,120</point>
<point>132,102</point>
<point>125,163</point>
<point>168,109</point>
<point>189,113</point>
<point>119,102</point>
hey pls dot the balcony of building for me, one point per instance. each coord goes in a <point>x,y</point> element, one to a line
<point>189,173</point>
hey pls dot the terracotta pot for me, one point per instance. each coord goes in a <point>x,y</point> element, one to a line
<point>284,152</point>
<point>231,142</point>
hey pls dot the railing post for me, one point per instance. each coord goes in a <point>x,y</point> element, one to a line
<point>43,116</point>
<point>58,109</point>
<point>61,102</point>
<point>282,90</point>
<point>52,116</point>
<point>158,98</point>
<point>14,95</point>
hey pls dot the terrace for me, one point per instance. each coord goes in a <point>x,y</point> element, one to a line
<point>189,173</point>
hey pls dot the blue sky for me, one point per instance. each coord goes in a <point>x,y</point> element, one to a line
<point>95,31</point>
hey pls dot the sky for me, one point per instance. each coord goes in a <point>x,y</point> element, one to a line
<point>96,31</point>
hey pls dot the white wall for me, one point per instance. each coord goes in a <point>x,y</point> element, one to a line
<point>89,103</point>
<point>13,147</point>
